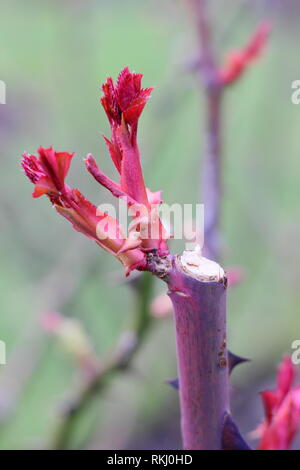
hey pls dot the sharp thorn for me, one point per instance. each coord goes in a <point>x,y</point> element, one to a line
<point>174,383</point>
<point>231,436</point>
<point>234,360</point>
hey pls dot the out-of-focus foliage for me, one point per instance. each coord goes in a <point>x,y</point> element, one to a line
<point>54,57</point>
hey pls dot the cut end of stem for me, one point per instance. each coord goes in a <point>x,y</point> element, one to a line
<point>195,265</point>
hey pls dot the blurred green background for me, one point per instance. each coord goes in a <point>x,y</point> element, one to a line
<point>54,56</point>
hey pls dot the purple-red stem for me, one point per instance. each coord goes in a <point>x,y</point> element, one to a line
<point>200,319</point>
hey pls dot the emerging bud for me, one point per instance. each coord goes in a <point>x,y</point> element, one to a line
<point>73,339</point>
<point>282,411</point>
<point>238,61</point>
<point>48,171</point>
<point>126,99</point>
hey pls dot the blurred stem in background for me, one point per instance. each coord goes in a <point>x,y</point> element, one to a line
<point>211,168</point>
<point>118,361</point>
<point>215,79</point>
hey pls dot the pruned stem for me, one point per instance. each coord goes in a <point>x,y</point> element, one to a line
<point>199,300</point>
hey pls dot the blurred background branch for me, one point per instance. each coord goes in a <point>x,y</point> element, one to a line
<point>211,164</point>
<point>118,361</point>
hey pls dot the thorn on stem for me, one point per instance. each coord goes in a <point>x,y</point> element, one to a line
<point>234,360</point>
<point>174,383</point>
<point>231,436</point>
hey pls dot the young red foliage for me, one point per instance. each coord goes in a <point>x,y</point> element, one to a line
<point>282,411</point>
<point>237,61</point>
<point>123,104</point>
